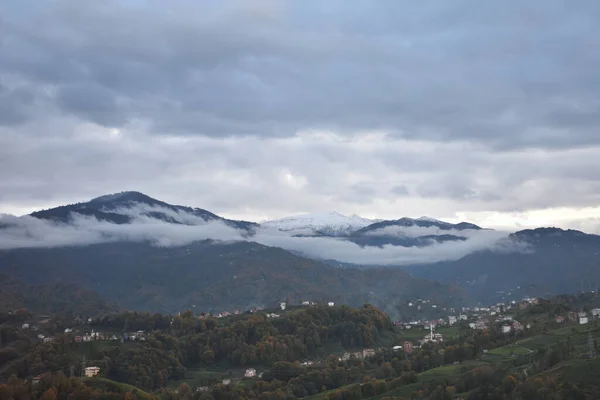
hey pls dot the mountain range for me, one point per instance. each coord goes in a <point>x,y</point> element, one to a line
<point>141,253</point>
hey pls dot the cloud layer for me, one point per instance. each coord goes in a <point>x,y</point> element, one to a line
<point>30,232</point>
<point>483,111</point>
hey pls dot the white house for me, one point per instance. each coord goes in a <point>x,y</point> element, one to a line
<point>506,328</point>
<point>282,305</point>
<point>68,330</point>
<point>583,320</point>
<point>91,371</point>
<point>451,320</point>
<point>331,304</point>
<point>306,303</point>
<point>596,312</point>
<point>462,317</point>
<point>250,372</point>
<point>25,326</point>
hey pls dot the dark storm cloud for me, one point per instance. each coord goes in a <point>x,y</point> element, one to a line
<point>507,74</point>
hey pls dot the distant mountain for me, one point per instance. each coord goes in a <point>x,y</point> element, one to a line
<point>552,261</point>
<point>330,224</point>
<point>209,276</point>
<point>114,208</point>
<point>410,232</point>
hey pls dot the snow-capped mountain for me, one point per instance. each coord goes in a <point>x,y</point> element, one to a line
<point>329,223</point>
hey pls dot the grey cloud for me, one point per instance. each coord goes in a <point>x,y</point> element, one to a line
<point>399,190</point>
<point>92,103</point>
<point>243,177</point>
<point>496,73</point>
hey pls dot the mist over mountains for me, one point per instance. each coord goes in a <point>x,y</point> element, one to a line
<point>133,216</point>
<point>146,238</point>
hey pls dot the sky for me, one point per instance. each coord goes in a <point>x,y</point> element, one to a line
<point>465,110</point>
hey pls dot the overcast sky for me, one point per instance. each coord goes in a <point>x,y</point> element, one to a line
<point>486,111</point>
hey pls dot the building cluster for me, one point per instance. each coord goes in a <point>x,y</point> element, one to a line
<point>281,305</point>
<point>581,317</point>
<point>365,353</point>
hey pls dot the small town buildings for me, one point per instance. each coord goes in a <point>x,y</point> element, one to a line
<point>282,305</point>
<point>226,381</point>
<point>251,372</point>
<point>368,353</point>
<point>451,320</point>
<point>596,312</point>
<point>506,328</point>
<point>202,389</point>
<point>36,379</point>
<point>560,319</point>
<point>517,326</point>
<point>78,339</point>
<point>47,339</point>
<point>91,371</point>
<point>272,315</point>
<point>41,337</point>
<point>408,347</point>
<point>583,320</point>
<point>572,316</point>
<point>306,303</point>
<point>331,304</point>
<point>68,330</point>
<point>25,326</point>
<point>463,317</point>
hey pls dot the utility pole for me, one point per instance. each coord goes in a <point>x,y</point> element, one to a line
<point>591,347</point>
<point>82,366</point>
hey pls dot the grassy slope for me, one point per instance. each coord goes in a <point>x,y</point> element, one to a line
<point>105,383</point>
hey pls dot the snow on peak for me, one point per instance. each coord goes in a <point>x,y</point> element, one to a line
<point>429,219</point>
<point>332,223</point>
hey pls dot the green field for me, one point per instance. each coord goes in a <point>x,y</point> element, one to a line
<point>510,350</point>
<point>416,333</point>
<point>200,376</point>
<point>99,382</point>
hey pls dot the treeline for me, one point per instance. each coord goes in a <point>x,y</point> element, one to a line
<point>185,340</point>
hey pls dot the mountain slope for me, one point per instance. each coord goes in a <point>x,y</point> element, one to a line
<point>554,261</point>
<point>332,224</point>
<point>115,208</point>
<point>50,298</point>
<point>213,276</point>
<point>409,232</point>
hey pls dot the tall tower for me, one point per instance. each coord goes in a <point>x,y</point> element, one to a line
<point>591,348</point>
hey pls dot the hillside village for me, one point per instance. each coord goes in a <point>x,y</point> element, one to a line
<point>512,325</point>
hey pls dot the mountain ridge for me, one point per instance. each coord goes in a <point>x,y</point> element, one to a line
<point>108,208</point>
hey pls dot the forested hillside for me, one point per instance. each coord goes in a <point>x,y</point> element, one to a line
<point>215,277</point>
